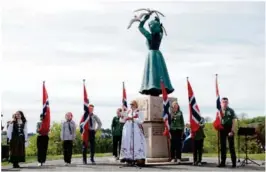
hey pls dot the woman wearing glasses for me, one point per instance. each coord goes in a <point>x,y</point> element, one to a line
<point>133,141</point>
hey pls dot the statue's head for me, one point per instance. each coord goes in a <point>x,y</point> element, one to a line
<point>155,25</point>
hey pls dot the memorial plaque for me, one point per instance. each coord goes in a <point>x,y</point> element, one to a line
<point>143,106</point>
<point>157,131</point>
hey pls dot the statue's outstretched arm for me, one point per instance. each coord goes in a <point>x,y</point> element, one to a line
<point>143,30</point>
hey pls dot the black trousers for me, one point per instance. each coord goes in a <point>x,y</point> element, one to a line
<point>223,135</point>
<point>116,143</point>
<point>197,150</point>
<point>176,143</point>
<point>42,146</point>
<point>92,146</point>
<point>67,146</point>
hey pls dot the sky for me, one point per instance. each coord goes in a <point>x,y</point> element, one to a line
<point>63,42</point>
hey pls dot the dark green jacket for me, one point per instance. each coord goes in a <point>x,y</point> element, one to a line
<point>199,135</point>
<point>117,127</point>
<point>38,127</point>
<point>177,121</point>
<point>229,116</point>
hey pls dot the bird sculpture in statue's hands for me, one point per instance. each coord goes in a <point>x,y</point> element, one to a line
<point>137,19</point>
<point>148,13</point>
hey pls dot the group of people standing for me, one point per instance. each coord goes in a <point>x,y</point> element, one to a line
<point>129,143</point>
<point>127,135</point>
<point>18,137</point>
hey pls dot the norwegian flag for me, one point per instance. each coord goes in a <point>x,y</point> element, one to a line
<point>219,114</point>
<point>45,126</point>
<point>194,112</point>
<point>166,114</point>
<point>124,99</point>
<point>84,125</point>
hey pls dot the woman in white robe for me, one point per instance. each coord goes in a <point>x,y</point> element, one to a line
<point>133,147</point>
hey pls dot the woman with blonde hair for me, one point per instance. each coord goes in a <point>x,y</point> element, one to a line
<point>133,136</point>
<point>176,129</point>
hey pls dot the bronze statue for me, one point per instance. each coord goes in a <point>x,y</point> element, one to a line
<point>155,67</point>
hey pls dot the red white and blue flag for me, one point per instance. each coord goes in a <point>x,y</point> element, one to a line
<point>166,113</point>
<point>124,96</point>
<point>219,114</point>
<point>84,125</point>
<point>194,112</point>
<point>45,126</point>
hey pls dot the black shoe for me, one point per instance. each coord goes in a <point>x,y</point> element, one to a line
<point>84,162</point>
<point>16,166</point>
<point>221,165</point>
<point>92,161</point>
<point>234,166</point>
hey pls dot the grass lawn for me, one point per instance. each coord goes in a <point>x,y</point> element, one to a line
<point>30,159</point>
<point>251,156</point>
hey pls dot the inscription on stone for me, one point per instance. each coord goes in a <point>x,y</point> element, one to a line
<point>157,131</point>
<point>143,106</point>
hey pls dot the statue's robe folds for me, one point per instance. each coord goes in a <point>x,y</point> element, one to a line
<point>155,67</point>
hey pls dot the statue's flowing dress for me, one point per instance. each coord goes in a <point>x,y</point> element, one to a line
<point>133,146</point>
<point>155,67</point>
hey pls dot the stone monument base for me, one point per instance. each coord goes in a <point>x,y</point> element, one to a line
<point>156,144</point>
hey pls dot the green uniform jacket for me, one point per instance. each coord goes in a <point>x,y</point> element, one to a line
<point>177,121</point>
<point>199,135</point>
<point>117,127</point>
<point>229,116</point>
<point>38,127</point>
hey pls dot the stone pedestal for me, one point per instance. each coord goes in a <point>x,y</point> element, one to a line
<point>156,143</point>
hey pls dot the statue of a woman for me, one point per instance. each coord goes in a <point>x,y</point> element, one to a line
<point>155,67</point>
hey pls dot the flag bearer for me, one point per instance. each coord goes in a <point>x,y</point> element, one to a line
<point>95,124</point>
<point>198,143</point>
<point>42,143</point>
<point>228,123</point>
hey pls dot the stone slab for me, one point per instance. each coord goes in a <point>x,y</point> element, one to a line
<point>152,107</point>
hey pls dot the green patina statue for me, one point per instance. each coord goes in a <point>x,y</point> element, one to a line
<point>155,68</point>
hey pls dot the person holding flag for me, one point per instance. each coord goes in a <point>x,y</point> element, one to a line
<point>43,128</point>
<point>196,124</point>
<point>224,123</point>
<point>88,128</point>
<point>176,129</point>
<point>228,122</point>
<point>42,143</point>
<point>198,143</point>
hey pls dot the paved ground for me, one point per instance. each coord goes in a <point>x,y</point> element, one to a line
<point>108,164</point>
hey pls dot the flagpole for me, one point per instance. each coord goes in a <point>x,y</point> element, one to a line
<point>169,136</point>
<point>218,133</point>
<point>191,135</point>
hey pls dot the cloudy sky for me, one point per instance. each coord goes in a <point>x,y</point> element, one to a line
<point>64,41</point>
